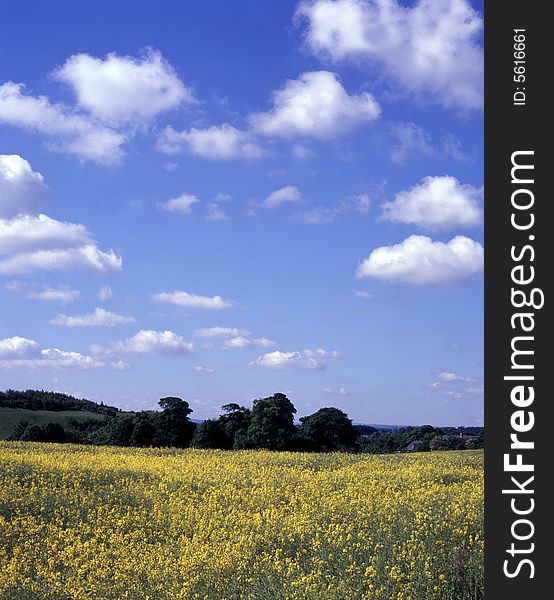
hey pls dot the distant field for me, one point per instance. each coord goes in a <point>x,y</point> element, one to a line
<point>88,523</point>
<point>10,417</point>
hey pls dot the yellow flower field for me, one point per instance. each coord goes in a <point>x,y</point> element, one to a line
<point>80,522</point>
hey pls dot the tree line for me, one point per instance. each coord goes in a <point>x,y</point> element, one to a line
<point>269,424</point>
<point>55,401</point>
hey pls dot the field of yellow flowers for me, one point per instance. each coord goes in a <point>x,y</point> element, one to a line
<point>79,522</point>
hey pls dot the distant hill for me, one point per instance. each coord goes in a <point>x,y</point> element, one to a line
<point>41,400</point>
<point>11,417</point>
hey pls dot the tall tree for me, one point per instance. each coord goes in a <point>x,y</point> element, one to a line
<point>272,423</point>
<point>235,422</point>
<point>173,425</point>
<point>210,435</point>
<point>327,430</point>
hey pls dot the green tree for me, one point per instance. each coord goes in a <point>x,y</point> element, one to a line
<point>210,435</point>
<point>144,430</point>
<point>272,423</point>
<point>49,432</point>
<point>235,423</point>
<point>443,442</point>
<point>117,432</point>
<point>327,430</point>
<point>173,425</point>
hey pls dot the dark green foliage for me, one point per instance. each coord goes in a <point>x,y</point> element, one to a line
<point>51,432</point>
<point>211,435</point>
<point>55,401</point>
<point>327,430</point>
<point>117,432</point>
<point>268,425</point>
<point>364,429</point>
<point>235,423</point>
<point>381,442</point>
<point>443,442</point>
<point>272,423</point>
<point>173,426</point>
<point>144,430</point>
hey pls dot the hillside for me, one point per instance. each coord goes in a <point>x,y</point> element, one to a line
<point>52,401</point>
<point>10,417</point>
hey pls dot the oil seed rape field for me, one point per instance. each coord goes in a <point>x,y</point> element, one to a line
<point>79,522</point>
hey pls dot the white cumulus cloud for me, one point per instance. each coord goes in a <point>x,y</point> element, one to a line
<point>188,300</point>
<point>17,346</point>
<point>29,243</point>
<point>147,341</point>
<point>264,342</point>
<point>124,89</point>
<point>430,48</point>
<point>305,359</point>
<point>98,318</point>
<point>289,193</point>
<point>181,204</point>
<point>65,296</point>
<point>315,105</point>
<point>19,352</point>
<point>436,203</point>
<point>70,132</point>
<point>420,260</point>
<point>237,342</point>
<point>449,376</point>
<point>22,190</point>
<point>220,332</point>
<point>219,142</point>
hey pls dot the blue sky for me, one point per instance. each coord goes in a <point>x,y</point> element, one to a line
<point>221,200</point>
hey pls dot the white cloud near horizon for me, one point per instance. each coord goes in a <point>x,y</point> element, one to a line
<point>22,190</point>
<point>420,260</point>
<point>218,142</point>
<point>221,332</point>
<point>71,132</point>
<point>62,295</point>
<point>305,359</point>
<point>264,342</point>
<point>437,203</point>
<point>430,48</point>
<point>19,352</point>
<point>147,341</point>
<point>98,318</point>
<point>181,298</point>
<point>315,105</point>
<point>450,376</point>
<point>233,337</point>
<point>181,204</point>
<point>236,342</point>
<point>124,89</point>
